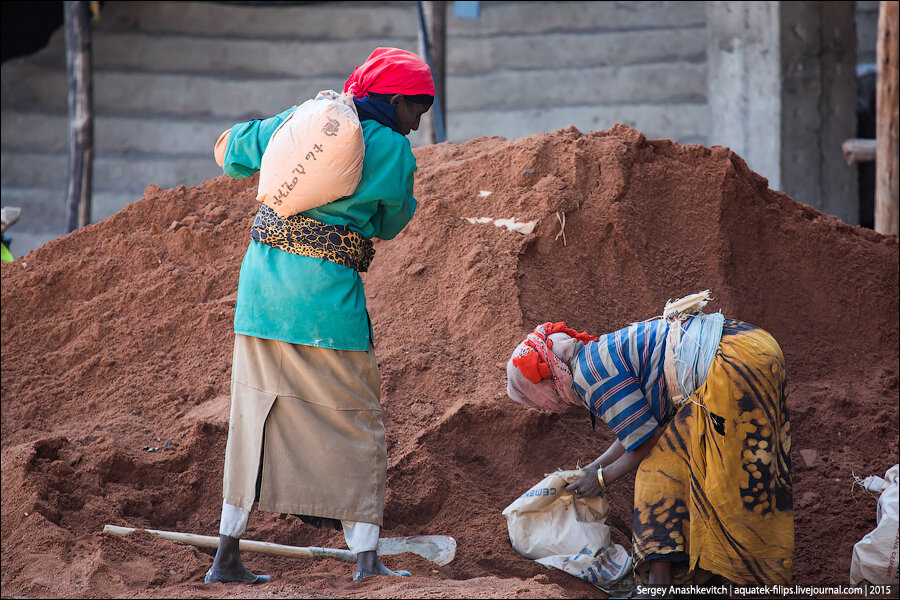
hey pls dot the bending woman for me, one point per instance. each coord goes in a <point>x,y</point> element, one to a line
<point>305,435</point>
<point>709,437</point>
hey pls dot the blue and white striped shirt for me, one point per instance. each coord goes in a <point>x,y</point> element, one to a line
<point>620,379</point>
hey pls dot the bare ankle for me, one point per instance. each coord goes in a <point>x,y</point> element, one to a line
<point>366,561</point>
<point>660,572</point>
<point>228,556</point>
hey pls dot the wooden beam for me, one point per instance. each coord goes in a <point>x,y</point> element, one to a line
<point>857,150</point>
<point>81,113</point>
<point>887,180</point>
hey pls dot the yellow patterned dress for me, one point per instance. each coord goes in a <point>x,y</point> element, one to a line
<point>718,500</point>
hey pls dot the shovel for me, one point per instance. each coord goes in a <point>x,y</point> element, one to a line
<point>440,549</point>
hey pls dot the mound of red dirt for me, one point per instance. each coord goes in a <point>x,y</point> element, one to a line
<point>117,345</point>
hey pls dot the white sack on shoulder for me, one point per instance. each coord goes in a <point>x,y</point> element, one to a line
<point>314,157</point>
<point>553,527</point>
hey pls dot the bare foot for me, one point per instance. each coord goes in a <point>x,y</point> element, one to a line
<point>367,564</point>
<point>215,576</point>
<point>227,566</point>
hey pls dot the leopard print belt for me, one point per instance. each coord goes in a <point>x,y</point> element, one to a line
<point>307,237</point>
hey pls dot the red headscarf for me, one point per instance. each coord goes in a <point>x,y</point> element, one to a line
<point>391,71</point>
<point>533,362</point>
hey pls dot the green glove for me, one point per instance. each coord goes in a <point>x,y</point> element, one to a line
<point>7,257</point>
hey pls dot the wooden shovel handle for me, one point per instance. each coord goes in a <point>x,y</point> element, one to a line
<point>207,541</point>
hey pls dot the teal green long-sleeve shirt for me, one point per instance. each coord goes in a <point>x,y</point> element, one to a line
<point>311,301</point>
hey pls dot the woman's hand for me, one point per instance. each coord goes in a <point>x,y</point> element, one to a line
<point>616,462</point>
<point>586,486</point>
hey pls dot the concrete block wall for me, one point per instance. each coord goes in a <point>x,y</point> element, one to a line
<point>171,76</point>
<point>819,105</point>
<point>783,95</point>
<point>866,30</point>
<point>541,66</point>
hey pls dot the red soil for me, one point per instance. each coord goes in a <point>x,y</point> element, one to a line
<point>117,340</point>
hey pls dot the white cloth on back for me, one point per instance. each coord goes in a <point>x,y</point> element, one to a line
<point>699,344</point>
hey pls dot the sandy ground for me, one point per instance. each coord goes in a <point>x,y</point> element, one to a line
<point>117,340</point>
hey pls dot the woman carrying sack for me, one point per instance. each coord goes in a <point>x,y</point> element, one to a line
<point>712,492</point>
<point>305,433</point>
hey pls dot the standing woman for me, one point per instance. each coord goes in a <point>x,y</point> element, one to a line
<point>305,435</point>
<point>706,427</point>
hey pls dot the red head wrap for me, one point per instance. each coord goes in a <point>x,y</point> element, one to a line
<point>534,364</point>
<point>391,71</point>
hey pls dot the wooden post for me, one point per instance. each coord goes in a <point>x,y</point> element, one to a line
<point>887,215</point>
<point>433,48</point>
<point>81,114</point>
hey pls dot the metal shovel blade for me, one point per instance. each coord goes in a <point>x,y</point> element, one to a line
<point>439,549</point>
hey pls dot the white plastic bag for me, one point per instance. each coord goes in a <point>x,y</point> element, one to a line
<point>314,157</point>
<point>875,556</point>
<point>556,529</point>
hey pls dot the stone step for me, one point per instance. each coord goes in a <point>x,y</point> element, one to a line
<point>122,174</point>
<point>48,133</point>
<point>118,93</point>
<point>553,51</point>
<point>521,90</point>
<point>262,58</point>
<point>306,21</point>
<point>210,56</point>
<point>556,17</point>
<point>122,93</point>
<point>679,39</point>
<point>258,58</point>
<point>358,20</point>
<point>234,58</point>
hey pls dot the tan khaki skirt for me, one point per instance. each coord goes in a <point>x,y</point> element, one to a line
<point>318,413</point>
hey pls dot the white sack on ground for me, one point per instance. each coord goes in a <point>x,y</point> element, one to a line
<point>553,527</point>
<point>875,557</point>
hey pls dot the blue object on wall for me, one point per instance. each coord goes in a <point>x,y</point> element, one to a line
<point>467,10</point>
